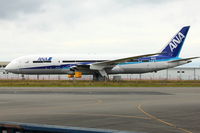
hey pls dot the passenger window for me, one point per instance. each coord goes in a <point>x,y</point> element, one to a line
<point>66,61</point>
<point>145,60</point>
<point>41,61</point>
<point>47,61</point>
<point>134,60</point>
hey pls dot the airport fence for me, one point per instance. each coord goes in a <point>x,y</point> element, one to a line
<point>168,74</point>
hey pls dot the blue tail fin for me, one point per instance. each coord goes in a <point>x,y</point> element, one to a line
<point>173,48</point>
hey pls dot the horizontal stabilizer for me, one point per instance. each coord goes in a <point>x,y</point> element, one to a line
<point>186,59</point>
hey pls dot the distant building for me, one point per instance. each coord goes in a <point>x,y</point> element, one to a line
<point>3,64</point>
<point>179,73</point>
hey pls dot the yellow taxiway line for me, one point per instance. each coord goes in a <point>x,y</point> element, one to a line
<point>162,121</point>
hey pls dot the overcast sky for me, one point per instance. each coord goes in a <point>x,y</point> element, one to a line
<point>95,26</point>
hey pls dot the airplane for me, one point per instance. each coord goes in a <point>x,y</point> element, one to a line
<point>101,68</point>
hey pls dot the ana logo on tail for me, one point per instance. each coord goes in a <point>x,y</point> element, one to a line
<point>176,40</point>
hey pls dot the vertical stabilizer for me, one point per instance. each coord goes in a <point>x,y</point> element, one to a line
<point>173,48</point>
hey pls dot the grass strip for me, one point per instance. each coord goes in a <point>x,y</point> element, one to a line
<point>87,83</point>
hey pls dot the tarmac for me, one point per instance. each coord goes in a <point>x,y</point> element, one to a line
<point>139,109</point>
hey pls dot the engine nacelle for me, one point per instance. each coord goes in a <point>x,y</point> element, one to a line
<point>70,75</point>
<point>78,74</point>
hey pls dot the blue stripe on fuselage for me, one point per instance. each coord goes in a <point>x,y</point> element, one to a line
<point>63,66</point>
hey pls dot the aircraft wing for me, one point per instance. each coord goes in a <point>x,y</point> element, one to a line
<point>111,63</point>
<point>122,60</point>
<point>185,59</point>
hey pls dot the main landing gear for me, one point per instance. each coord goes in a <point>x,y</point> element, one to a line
<point>101,75</point>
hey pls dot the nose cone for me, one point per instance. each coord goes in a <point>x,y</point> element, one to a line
<point>12,67</point>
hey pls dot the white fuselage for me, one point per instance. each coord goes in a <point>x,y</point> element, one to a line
<point>61,64</point>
